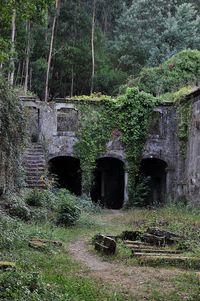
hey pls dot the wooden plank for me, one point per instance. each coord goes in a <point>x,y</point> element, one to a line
<point>159,255</point>
<point>7,265</point>
<point>137,242</point>
<point>156,251</point>
<point>176,259</point>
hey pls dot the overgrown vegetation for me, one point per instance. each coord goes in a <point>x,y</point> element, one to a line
<point>12,137</point>
<point>127,119</point>
<point>53,275</point>
<point>182,69</point>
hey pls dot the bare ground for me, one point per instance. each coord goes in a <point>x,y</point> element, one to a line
<point>128,279</point>
<point>131,280</point>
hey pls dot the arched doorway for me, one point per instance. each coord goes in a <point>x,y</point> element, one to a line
<point>67,172</point>
<point>155,171</point>
<point>108,186</point>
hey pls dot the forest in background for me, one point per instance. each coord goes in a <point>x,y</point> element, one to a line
<point>60,48</point>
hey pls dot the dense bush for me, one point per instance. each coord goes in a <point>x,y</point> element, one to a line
<point>20,286</point>
<point>16,207</point>
<point>12,137</point>
<point>11,233</point>
<point>180,70</point>
<point>68,211</point>
<point>41,198</point>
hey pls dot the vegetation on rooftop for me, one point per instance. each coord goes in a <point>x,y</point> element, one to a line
<point>182,69</point>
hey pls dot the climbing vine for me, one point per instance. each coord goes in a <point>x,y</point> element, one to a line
<point>184,115</point>
<point>129,114</point>
<point>94,131</point>
<point>12,135</point>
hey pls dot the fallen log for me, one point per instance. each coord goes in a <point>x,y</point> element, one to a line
<point>105,244</point>
<point>4,265</point>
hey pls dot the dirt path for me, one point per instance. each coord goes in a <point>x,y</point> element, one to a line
<point>128,279</point>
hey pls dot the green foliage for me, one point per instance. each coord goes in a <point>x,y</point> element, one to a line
<point>140,192</point>
<point>19,209</point>
<point>10,231</point>
<point>68,211</point>
<point>41,198</point>
<point>149,32</point>
<point>176,96</point>
<point>18,285</point>
<point>180,70</point>
<point>95,97</point>
<point>130,115</point>
<point>35,198</point>
<point>184,116</point>
<point>93,134</point>
<point>135,115</point>
<point>12,137</point>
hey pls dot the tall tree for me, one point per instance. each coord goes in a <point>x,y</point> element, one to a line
<point>12,63</point>
<point>149,32</point>
<point>92,44</point>
<point>57,7</point>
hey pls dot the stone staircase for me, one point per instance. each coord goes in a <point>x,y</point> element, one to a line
<point>34,164</point>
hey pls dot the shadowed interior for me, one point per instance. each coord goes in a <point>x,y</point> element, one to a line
<point>67,172</point>
<point>155,170</point>
<point>108,186</point>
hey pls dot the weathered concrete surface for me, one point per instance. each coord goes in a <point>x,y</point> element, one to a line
<point>50,120</point>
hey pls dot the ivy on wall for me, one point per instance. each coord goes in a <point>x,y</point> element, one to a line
<point>12,137</point>
<point>130,115</point>
<point>184,115</point>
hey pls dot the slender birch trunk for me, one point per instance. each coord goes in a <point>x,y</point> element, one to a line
<point>12,63</point>
<point>72,83</point>
<point>92,44</point>
<point>50,52</point>
<point>28,30</point>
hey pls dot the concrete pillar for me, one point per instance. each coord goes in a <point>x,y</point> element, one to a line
<point>125,187</point>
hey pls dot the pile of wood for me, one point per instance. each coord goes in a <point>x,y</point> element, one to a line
<point>42,244</point>
<point>156,244</point>
<point>105,244</point>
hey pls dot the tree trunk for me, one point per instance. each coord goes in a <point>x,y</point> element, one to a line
<point>92,44</point>
<point>12,63</point>
<point>50,51</point>
<point>28,30</point>
<point>18,73</point>
<point>72,83</point>
<point>30,79</point>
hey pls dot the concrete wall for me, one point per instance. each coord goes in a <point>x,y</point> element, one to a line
<point>182,175</point>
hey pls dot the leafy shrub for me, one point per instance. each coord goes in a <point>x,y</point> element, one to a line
<point>68,211</point>
<point>35,198</point>
<point>16,207</point>
<point>41,198</point>
<point>17,285</point>
<point>140,193</point>
<point>88,205</point>
<point>11,233</point>
<point>180,70</point>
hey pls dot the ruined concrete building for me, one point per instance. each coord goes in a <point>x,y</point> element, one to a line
<point>173,174</point>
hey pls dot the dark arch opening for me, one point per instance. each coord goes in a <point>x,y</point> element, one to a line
<point>108,185</point>
<point>155,171</point>
<point>67,172</point>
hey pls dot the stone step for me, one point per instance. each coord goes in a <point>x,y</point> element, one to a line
<point>35,173</point>
<point>31,153</point>
<point>34,181</point>
<point>39,186</point>
<point>35,162</point>
<point>36,158</point>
